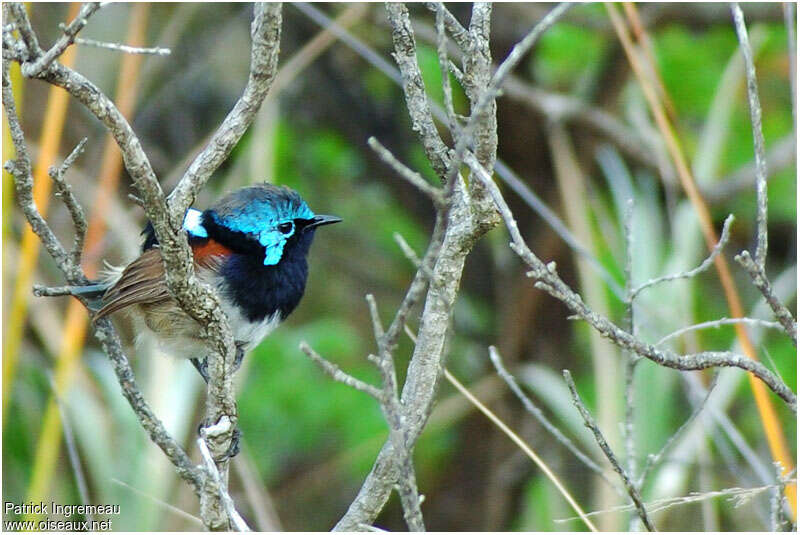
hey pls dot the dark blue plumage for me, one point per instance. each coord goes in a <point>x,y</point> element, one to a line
<point>251,247</point>
<point>261,290</point>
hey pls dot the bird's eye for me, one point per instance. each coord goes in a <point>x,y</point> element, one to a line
<point>286,228</point>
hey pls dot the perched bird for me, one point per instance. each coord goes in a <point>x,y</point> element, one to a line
<point>250,247</point>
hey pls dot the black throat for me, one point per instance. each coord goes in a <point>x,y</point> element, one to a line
<point>260,291</point>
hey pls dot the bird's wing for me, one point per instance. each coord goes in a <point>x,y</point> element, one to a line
<point>143,282</point>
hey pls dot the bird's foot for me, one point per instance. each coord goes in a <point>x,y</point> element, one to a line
<point>201,365</point>
<point>233,448</point>
<point>237,361</point>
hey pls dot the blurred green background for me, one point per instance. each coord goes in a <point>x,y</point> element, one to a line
<point>308,442</point>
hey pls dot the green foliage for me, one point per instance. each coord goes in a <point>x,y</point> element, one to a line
<point>566,55</point>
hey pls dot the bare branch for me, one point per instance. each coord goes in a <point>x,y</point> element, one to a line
<point>155,51</point>
<point>758,136</point>
<point>633,492</point>
<point>199,301</point>
<point>716,324</point>
<point>707,263</point>
<point>64,191</point>
<point>20,168</point>
<point>104,331</point>
<point>108,338</point>
<point>405,54</point>
<point>23,26</point>
<point>547,279</point>
<point>537,413</point>
<point>459,33</point>
<point>230,507</point>
<point>394,414</point>
<point>412,177</point>
<point>477,82</point>
<point>338,375</point>
<point>266,33</point>
<point>43,62</point>
<point>760,281</point>
<point>653,460</point>
<point>502,169</point>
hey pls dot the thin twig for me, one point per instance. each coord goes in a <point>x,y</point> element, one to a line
<point>780,156</point>
<point>492,89</point>
<point>155,51</point>
<point>412,177</point>
<point>631,358</point>
<point>502,169</point>
<point>716,324</point>
<point>769,419</point>
<point>758,135</point>
<point>394,414</point>
<point>64,191</point>
<point>405,54</point>
<point>522,445</point>
<point>444,68</point>
<point>760,281</point>
<point>653,459</point>
<point>230,507</point>
<point>547,279</point>
<point>790,21</point>
<point>457,31</point>
<point>20,168</point>
<point>537,413</point>
<point>737,495</point>
<point>630,486</point>
<point>704,266</point>
<point>337,374</point>
<point>43,62</point>
<point>23,26</point>
<point>72,448</point>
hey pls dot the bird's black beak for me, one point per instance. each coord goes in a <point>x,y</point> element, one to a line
<point>322,220</point>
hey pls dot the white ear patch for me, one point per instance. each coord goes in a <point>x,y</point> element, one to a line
<point>193,223</point>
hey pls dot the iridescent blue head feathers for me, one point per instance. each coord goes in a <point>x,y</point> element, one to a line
<point>257,219</point>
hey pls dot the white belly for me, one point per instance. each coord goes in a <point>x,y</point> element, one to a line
<point>250,333</point>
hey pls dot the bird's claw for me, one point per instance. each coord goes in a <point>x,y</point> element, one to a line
<point>201,365</point>
<point>233,449</point>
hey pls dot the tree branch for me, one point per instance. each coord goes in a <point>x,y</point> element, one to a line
<point>758,136</point>
<point>43,62</point>
<point>64,191</point>
<point>265,32</point>
<point>195,298</point>
<point>547,279</point>
<point>104,330</point>
<point>633,492</point>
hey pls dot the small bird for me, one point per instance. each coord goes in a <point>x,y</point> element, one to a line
<point>250,247</point>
